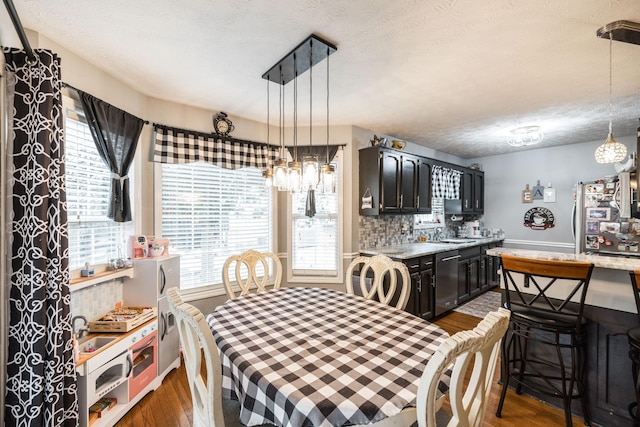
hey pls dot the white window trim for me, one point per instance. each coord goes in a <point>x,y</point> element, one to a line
<point>315,277</point>
<point>214,289</point>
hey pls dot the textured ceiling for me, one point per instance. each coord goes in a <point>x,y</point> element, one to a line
<point>455,76</point>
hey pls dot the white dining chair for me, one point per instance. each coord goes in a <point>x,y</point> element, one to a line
<point>247,263</point>
<point>197,343</point>
<point>468,403</point>
<point>381,267</point>
<point>481,345</point>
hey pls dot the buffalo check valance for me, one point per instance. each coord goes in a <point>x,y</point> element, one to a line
<point>174,145</point>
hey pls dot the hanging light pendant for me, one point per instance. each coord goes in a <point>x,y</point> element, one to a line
<point>280,170</point>
<point>611,151</point>
<point>310,161</point>
<point>327,171</point>
<point>287,69</point>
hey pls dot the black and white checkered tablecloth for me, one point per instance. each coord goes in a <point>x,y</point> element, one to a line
<point>314,357</point>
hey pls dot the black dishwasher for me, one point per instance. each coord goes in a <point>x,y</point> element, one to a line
<point>446,281</point>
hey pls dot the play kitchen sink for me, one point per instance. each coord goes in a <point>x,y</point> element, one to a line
<point>95,344</point>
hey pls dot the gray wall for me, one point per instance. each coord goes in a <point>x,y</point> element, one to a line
<point>506,177</point>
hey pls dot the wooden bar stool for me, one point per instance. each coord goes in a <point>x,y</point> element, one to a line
<point>633,335</point>
<point>544,350</point>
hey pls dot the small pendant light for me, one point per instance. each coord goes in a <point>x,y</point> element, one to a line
<point>327,171</point>
<point>611,151</point>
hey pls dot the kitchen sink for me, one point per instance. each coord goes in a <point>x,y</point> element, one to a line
<point>95,344</point>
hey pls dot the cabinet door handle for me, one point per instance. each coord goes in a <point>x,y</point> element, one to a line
<point>401,201</point>
<point>129,364</point>
<point>142,347</point>
<point>449,258</point>
<point>414,266</point>
<point>418,202</point>
<point>419,282</point>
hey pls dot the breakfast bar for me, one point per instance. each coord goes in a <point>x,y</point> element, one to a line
<point>610,311</point>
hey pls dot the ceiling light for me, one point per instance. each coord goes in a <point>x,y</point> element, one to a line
<point>611,151</point>
<point>526,135</point>
<point>301,175</point>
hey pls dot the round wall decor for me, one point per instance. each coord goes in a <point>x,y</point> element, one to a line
<point>539,218</point>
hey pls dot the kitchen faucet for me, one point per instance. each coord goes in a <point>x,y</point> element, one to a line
<point>83,329</point>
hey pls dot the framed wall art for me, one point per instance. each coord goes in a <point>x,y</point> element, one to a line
<point>592,227</point>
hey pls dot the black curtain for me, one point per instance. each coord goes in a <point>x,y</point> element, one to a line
<point>41,385</point>
<point>116,135</point>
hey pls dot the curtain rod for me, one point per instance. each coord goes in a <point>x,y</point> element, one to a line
<point>67,85</point>
<point>19,29</point>
<point>196,133</point>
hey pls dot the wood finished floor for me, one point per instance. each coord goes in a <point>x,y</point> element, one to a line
<point>170,404</point>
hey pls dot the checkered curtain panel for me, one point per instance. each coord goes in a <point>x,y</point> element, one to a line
<point>445,183</point>
<point>183,146</point>
<point>41,376</point>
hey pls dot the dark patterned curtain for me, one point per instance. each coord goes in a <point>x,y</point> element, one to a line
<point>116,134</point>
<point>41,379</point>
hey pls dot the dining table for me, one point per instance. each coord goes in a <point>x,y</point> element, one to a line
<point>308,356</point>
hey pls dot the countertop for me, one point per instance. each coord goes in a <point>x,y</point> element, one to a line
<point>601,261</point>
<point>610,285</point>
<point>413,250</point>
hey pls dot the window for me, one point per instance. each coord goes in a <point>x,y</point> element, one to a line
<point>93,237</point>
<point>209,213</point>
<point>315,242</point>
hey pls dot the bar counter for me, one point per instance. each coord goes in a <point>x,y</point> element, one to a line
<point>610,311</point>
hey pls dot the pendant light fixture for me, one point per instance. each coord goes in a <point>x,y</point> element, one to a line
<point>280,168</point>
<point>611,151</point>
<point>327,171</point>
<point>302,58</point>
<point>310,161</point>
<point>294,172</point>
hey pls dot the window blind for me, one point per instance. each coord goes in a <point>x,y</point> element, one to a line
<point>210,213</point>
<point>314,241</point>
<point>93,237</point>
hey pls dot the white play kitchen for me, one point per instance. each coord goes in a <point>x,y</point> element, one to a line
<point>132,341</point>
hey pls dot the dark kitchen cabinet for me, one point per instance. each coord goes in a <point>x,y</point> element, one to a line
<point>398,182</point>
<point>421,299</point>
<point>491,272</point>
<point>469,273</point>
<point>471,194</point>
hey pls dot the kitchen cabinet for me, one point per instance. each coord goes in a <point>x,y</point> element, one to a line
<point>490,268</point>
<point>421,298</point>
<point>397,181</point>
<point>469,273</point>
<point>471,194</point>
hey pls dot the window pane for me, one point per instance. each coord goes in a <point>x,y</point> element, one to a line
<point>315,240</point>
<point>93,237</point>
<point>209,213</point>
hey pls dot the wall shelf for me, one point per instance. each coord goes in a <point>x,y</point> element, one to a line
<point>78,283</point>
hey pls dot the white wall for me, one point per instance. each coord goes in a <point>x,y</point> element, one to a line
<point>506,177</point>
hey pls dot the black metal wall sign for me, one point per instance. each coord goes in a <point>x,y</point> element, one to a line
<point>539,218</point>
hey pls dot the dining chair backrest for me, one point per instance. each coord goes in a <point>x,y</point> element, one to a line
<point>543,277</point>
<point>390,280</point>
<point>197,343</point>
<point>245,264</point>
<point>468,403</point>
<point>635,282</point>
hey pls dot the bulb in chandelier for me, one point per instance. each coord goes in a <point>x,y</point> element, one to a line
<point>294,177</point>
<point>611,151</point>
<point>280,175</point>
<point>268,177</point>
<point>327,179</point>
<point>310,172</point>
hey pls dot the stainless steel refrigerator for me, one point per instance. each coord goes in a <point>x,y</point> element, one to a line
<point>604,220</point>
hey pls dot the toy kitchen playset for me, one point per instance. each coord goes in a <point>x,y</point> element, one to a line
<point>134,345</point>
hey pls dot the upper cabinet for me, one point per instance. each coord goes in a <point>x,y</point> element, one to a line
<point>471,194</point>
<point>398,182</point>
